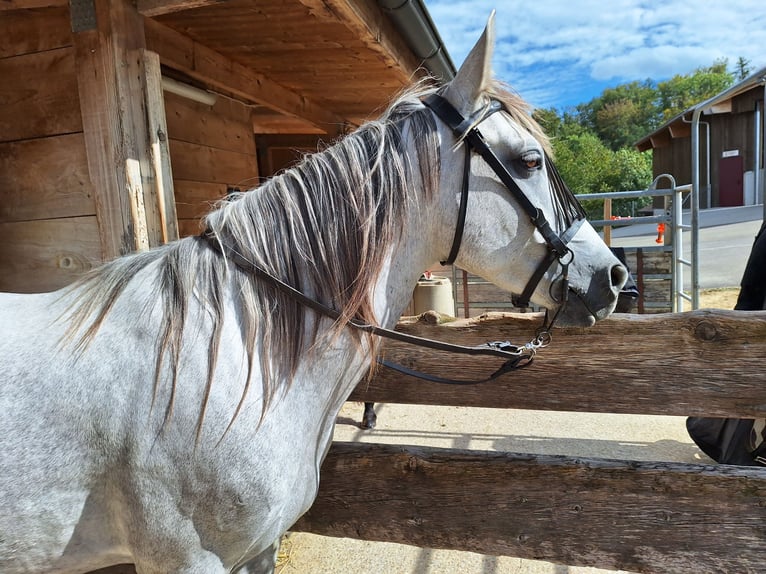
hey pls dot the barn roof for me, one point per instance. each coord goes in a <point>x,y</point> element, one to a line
<point>307,64</point>
<point>680,125</point>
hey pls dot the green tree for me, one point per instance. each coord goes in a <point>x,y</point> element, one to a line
<point>681,92</point>
<point>742,70</point>
<point>623,114</point>
<point>588,166</point>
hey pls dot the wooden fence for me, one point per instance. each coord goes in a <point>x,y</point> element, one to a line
<point>614,514</point>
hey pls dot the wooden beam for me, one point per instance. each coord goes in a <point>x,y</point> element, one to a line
<point>161,192</point>
<point>617,515</point>
<point>680,130</point>
<point>375,30</point>
<point>120,101</point>
<point>28,4</point>
<point>702,363</point>
<point>221,73</point>
<point>159,7</point>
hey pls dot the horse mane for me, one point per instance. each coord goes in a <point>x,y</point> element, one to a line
<point>324,226</point>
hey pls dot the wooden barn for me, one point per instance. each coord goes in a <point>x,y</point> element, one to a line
<point>121,122</point>
<point>717,146</point>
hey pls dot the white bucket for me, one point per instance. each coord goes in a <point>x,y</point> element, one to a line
<point>434,294</point>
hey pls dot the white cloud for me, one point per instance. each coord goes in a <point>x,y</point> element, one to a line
<point>548,46</point>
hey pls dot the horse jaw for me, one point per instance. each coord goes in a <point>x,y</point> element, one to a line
<point>475,74</point>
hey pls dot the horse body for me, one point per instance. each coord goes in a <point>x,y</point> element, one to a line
<point>119,481</point>
<point>172,410</point>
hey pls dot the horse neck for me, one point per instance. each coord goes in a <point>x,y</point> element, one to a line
<point>401,270</point>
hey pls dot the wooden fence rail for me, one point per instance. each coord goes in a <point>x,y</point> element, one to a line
<point>706,363</point>
<point>636,516</point>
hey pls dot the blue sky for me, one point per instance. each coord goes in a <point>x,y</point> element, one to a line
<point>561,53</point>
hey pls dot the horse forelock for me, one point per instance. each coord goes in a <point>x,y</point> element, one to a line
<point>519,110</point>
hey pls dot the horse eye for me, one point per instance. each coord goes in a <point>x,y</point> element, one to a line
<point>532,161</point>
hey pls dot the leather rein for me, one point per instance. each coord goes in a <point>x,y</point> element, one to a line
<point>516,356</point>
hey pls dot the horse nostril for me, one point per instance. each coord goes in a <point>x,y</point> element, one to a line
<point>619,276</point>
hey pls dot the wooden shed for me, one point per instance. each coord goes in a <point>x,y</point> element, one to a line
<point>717,145</point>
<point>122,122</point>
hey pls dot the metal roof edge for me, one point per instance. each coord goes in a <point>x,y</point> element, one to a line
<point>414,23</point>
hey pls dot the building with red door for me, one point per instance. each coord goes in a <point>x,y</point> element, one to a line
<point>717,146</point>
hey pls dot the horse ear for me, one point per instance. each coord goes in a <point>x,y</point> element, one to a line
<point>475,74</point>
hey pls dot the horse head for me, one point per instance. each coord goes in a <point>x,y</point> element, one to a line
<point>518,225</point>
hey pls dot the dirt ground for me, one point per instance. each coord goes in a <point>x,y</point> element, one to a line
<point>723,298</point>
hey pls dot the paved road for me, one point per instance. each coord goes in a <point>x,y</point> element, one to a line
<point>726,236</point>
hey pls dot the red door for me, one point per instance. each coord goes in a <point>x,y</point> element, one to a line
<point>730,175</point>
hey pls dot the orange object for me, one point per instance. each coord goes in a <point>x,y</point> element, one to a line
<point>660,233</point>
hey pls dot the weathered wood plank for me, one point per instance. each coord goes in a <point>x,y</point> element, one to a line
<point>11,5</point>
<point>40,256</point>
<point>187,227</point>
<point>206,164</point>
<point>118,83</point>
<point>225,125</point>
<point>194,199</point>
<point>705,363</point>
<point>159,190</point>
<point>62,189</point>
<point>34,30</point>
<point>374,29</point>
<point>42,98</point>
<point>159,7</point>
<point>636,516</point>
<point>107,97</point>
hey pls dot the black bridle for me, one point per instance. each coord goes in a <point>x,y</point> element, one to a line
<point>568,211</point>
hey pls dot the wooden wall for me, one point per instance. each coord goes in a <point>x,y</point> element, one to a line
<point>212,150</point>
<point>47,211</point>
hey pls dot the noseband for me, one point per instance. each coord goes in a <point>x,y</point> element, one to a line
<point>467,131</point>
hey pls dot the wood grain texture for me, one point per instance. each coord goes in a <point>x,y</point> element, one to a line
<point>221,73</point>
<point>206,164</point>
<point>41,99</point>
<point>62,189</point>
<point>225,125</point>
<point>39,256</point>
<point>704,363</point>
<point>34,30</point>
<point>635,516</point>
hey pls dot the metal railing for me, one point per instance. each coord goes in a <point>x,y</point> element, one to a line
<point>672,218</point>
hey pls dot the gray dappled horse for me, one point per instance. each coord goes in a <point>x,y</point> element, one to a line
<point>172,409</point>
